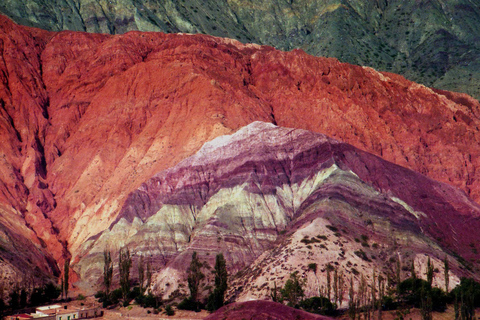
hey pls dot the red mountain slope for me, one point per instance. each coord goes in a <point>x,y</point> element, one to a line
<point>86,118</point>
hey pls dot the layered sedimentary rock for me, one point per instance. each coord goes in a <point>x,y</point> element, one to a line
<point>87,118</point>
<point>265,192</point>
<point>431,42</point>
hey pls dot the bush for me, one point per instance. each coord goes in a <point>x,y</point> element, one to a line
<point>319,305</point>
<point>169,310</point>
<point>413,290</point>
<point>189,304</point>
<point>148,301</point>
<point>388,303</point>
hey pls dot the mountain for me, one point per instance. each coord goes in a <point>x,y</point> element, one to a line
<point>86,119</point>
<point>273,200</point>
<point>432,42</point>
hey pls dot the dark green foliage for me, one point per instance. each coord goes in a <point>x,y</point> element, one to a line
<point>467,297</point>
<point>361,254</point>
<point>332,228</point>
<point>169,310</point>
<point>141,273</point>
<point>429,271</point>
<point>124,264</point>
<point>292,291</point>
<point>66,271</point>
<point>195,276</point>
<point>107,271</point>
<point>306,240</point>
<point>14,299</point>
<point>274,293</point>
<point>189,304</point>
<point>3,306</point>
<point>446,270</point>
<point>216,298</point>
<point>112,299</point>
<point>23,298</point>
<point>417,292</point>
<point>388,303</point>
<point>319,305</point>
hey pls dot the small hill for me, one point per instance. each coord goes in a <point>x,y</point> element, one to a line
<point>261,310</point>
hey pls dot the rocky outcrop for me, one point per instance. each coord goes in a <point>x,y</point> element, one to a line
<point>87,118</point>
<point>431,42</point>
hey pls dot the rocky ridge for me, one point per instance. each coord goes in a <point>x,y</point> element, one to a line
<point>432,42</point>
<point>87,118</point>
<point>274,200</point>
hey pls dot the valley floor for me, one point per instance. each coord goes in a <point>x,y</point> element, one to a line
<point>134,312</point>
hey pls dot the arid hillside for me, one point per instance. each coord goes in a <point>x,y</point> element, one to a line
<point>432,42</point>
<point>87,118</point>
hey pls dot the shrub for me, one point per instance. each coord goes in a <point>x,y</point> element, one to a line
<point>169,310</point>
<point>361,254</point>
<point>190,304</point>
<point>413,290</point>
<point>319,305</point>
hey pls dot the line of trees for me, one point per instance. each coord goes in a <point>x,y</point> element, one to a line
<point>195,280</point>
<point>21,298</point>
<point>195,276</point>
<point>125,292</point>
<point>369,299</point>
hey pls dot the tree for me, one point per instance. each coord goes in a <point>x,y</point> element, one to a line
<point>141,274</point>
<point>412,270</point>
<point>292,291</point>
<point>447,278</point>
<point>329,280</point>
<point>429,271</point>
<point>341,288</point>
<point>194,277</point>
<point>374,291</point>
<point>124,264</point>
<point>467,295</point>
<point>66,271</point>
<point>352,307</point>
<point>335,285</point>
<point>14,301</point>
<point>23,298</point>
<point>274,293</point>
<point>216,298</point>
<point>107,272</point>
<point>148,274</point>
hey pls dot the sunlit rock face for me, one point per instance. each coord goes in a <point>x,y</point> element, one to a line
<point>87,119</point>
<point>256,195</point>
<point>433,43</point>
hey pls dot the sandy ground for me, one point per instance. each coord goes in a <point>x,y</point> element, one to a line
<point>135,312</point>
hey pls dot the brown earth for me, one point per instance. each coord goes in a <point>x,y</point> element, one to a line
<point>86,118</point>
<point>262,310</point>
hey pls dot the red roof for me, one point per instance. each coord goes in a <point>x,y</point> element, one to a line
<point>22,316</point>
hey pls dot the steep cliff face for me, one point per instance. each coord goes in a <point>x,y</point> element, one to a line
<point>87,118</point>
<point>275,200</point>
<point>432,42</point>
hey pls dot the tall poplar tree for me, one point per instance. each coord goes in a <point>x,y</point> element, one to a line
<point>124,264</point>
<point>194,277</point>
<point>66,271</point>
<point>107,272</point>
<point>216,298</point>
